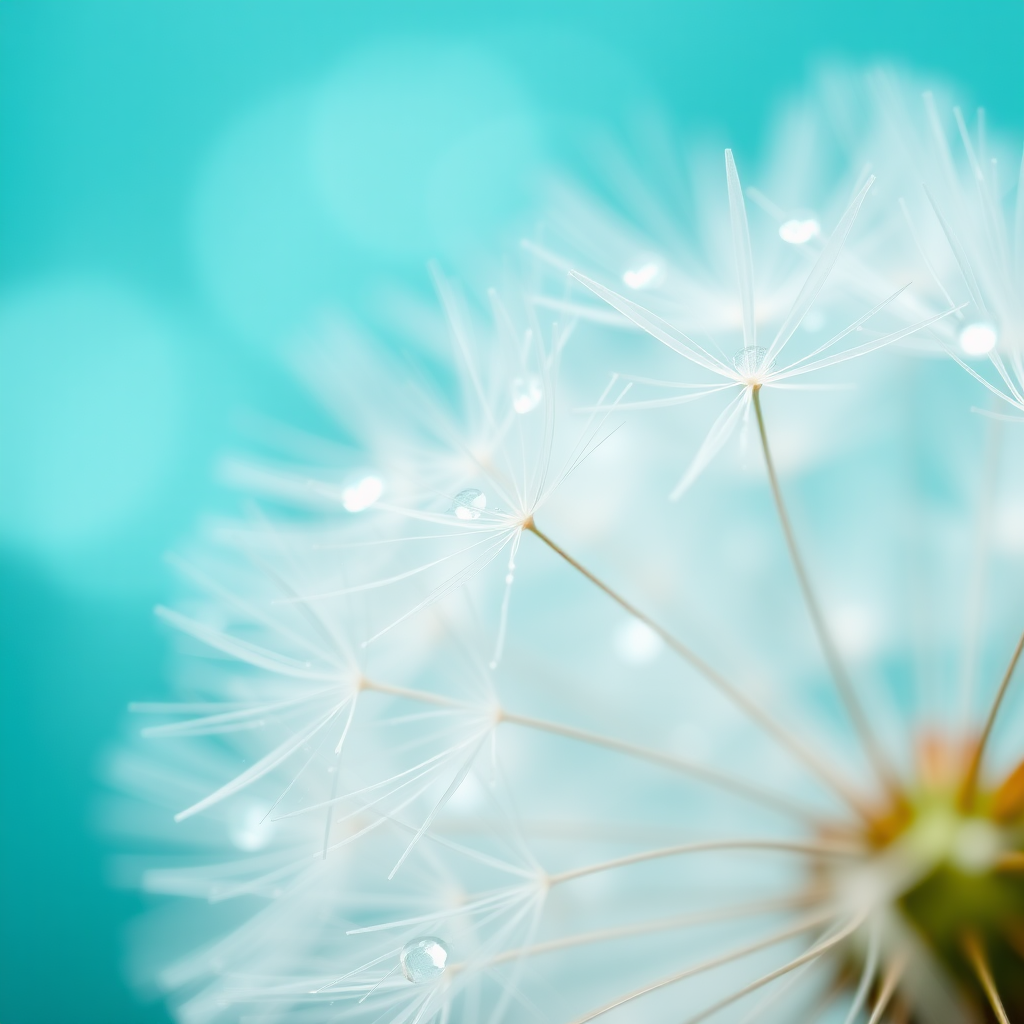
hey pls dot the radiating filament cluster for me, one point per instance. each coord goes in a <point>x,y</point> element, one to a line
<point>664,663</point>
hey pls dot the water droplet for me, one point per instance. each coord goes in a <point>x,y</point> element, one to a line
<point>526,393</point>
<point>468,504</point>
<point>636,643</point>
<point>361,493</point>
<point>424,959</point>
<point>796,231</point>
<point>978,339</point>
<point>749,360</point>
<point>642,276</point>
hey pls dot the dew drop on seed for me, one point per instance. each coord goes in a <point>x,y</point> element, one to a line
<point>423,959</point>
<point>748,360</point>
<point>796,232</point>
<point>978,339</point>
<point>361,493</point>
<point>468,504</point>
<point>641,276</point>
<point>526,393</point>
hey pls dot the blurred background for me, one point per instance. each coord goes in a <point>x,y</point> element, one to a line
<point>185,189</point>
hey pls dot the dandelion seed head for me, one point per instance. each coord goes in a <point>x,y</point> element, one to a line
<point>724,752</point>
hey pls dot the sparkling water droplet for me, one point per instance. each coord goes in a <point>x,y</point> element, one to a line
<point>468,504</point>
<point>526,393</point>
<point>361,492</point>
<point>424,959</point>
<point>748,360</point>
<point>978,339</point>
<point>642,276</point>
<point>797,231</point>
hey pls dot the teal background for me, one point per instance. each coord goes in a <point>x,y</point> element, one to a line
<point>146,283</point>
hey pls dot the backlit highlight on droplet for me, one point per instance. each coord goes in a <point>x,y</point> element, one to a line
<point>362,494</point>
<point>641,277</point>
<point>526,393</point>
<point>796,232</point>
<point>978,339</point>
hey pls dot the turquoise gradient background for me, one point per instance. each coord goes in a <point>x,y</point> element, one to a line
<point>161,240</point>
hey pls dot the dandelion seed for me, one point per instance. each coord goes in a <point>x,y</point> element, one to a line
<point>755,366</point>
<point>969,237</point>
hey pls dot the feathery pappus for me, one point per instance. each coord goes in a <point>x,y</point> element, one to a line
<point>655,655</point>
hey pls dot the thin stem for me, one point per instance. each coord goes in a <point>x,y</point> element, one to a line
<point>738,786</point>
<point>979,562</point>
<point>867,975</point>
<point>821,849</point>
<point>979,962</point>
<point>828,646</point>
<point>812,761</point>
<point>889,983</point>
<point>822,947</point>
<point>423,696</point>
<point>647,927</point>
<point>969,789</point>
<point>707,965</point>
